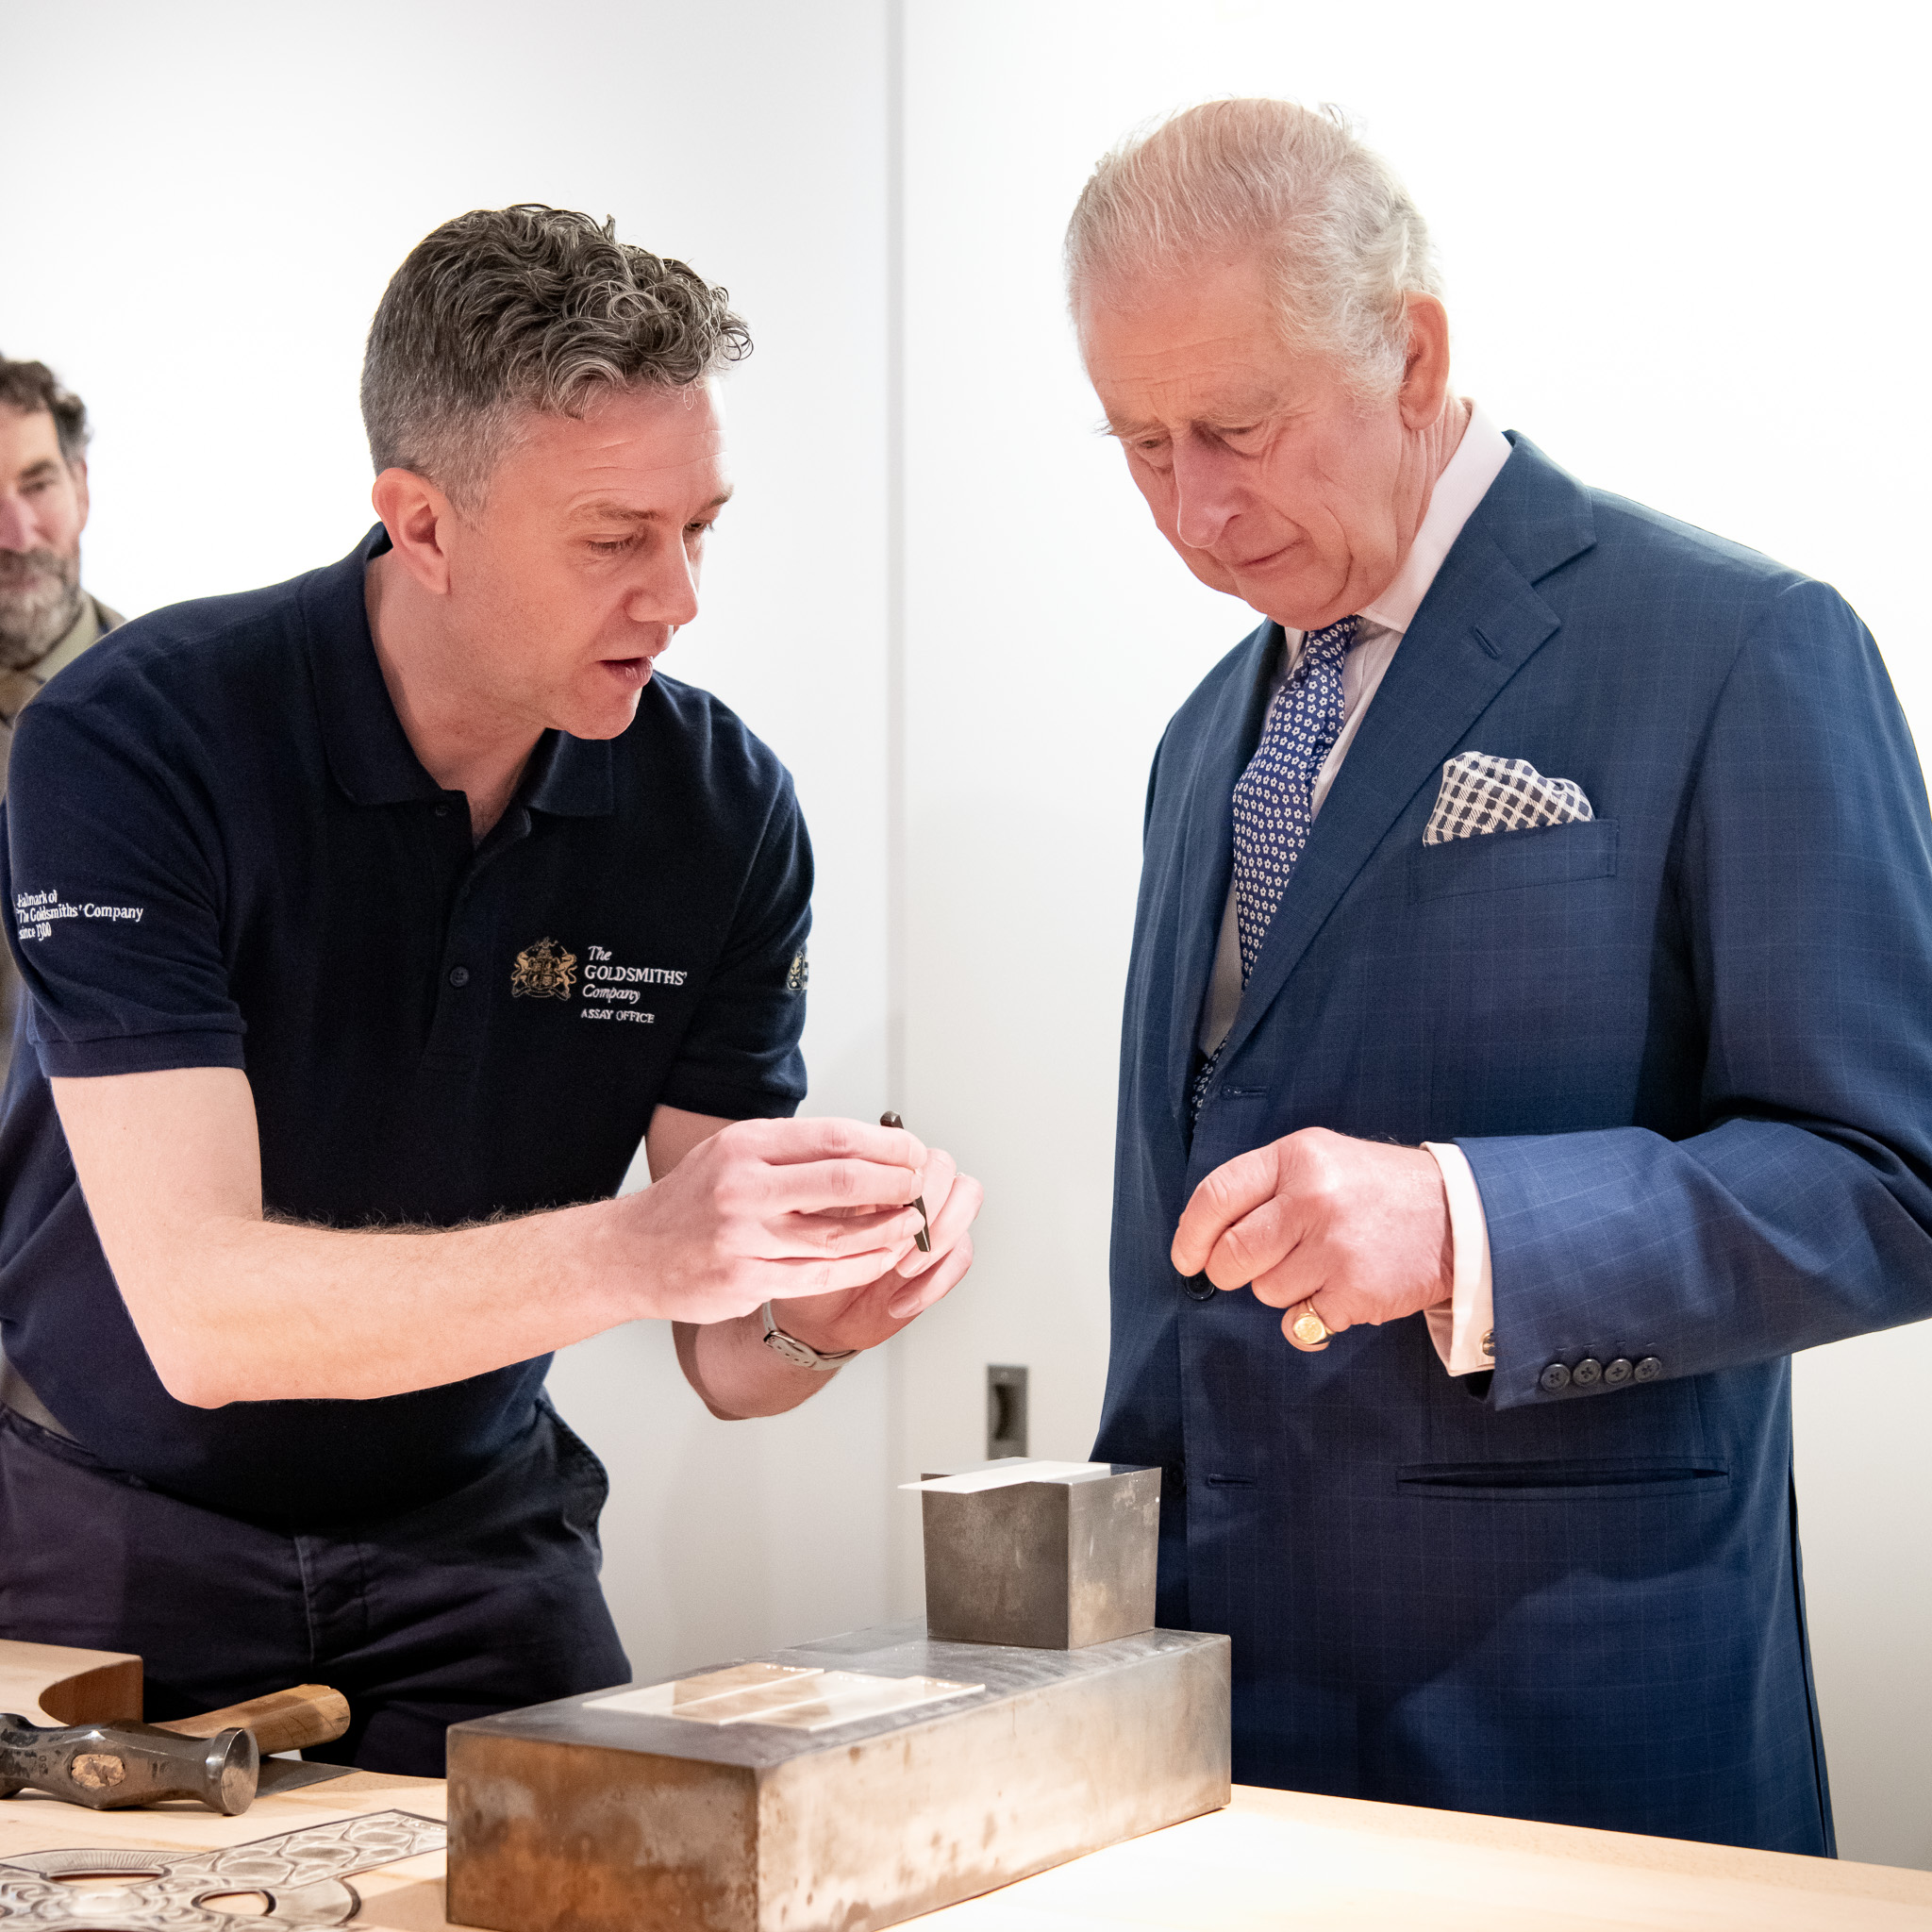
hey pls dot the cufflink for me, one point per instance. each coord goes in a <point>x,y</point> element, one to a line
<point>1490,1343</point>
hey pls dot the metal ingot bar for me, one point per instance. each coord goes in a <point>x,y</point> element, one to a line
<point>626,1812</point>
<point>1052,1554</point>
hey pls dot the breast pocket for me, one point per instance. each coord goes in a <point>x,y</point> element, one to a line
<point>1533,954</point>
<point>1504,861</point>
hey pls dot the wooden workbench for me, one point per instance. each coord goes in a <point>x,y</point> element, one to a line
<point>1272,1859</point>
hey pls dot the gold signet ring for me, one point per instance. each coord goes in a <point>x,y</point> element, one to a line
<point>1309,1328</point>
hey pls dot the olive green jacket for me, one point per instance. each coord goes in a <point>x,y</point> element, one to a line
<point>16,688</point>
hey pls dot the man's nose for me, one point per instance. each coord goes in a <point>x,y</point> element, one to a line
<point>19,528</point>
<point>1206,496</point>
<point>669,593</point>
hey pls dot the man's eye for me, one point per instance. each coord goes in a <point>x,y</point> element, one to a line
<point>612,546</point>
<point>698,530</point>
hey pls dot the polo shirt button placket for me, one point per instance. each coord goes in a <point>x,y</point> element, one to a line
<point>461,1019</point>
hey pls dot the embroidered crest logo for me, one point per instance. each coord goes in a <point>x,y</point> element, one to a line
<point>543,971</point>
<point>799,977</point>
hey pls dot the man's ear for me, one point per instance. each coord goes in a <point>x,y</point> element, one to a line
<point>1425,366</point>
<point>417,516</point>
<point>76,468</point>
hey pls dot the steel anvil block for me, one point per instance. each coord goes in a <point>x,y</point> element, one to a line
<point>608,1813</point>
<point>1055,1556</point>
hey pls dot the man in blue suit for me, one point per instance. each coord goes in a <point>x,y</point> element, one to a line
<point>1528,1041</point>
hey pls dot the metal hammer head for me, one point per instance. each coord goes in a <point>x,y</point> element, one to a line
<point>108,1767</point>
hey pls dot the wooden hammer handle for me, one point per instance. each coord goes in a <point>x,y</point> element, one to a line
<point>288,1720</point>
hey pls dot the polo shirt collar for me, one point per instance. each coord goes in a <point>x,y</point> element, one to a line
<point>370,753</point>
<point>569,777</point>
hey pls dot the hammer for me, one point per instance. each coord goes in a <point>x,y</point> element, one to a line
<point>215,1758</point>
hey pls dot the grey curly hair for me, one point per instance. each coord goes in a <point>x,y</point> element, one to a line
<point>1347,244</point>
<point>505,310</point>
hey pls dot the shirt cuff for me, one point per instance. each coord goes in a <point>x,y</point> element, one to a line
<point>1462,1328</point>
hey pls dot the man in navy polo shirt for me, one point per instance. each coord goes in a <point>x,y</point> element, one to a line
<point>370,922</point>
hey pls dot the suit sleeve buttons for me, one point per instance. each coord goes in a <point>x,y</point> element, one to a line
<point>1589,1372</point>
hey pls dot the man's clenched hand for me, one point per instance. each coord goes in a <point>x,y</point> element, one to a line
<point>766,1211</point>
<point>1358,1228</point>
<point>866,1316</point>
<point>842,1270</point>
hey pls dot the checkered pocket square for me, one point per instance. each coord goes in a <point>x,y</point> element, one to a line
<point>1481,794</point>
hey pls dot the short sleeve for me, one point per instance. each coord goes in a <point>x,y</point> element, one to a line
<point>740,1058</point>
<point>112,895</point>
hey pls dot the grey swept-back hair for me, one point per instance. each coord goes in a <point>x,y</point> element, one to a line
<point>505,310</point>
<point>1344,239</point>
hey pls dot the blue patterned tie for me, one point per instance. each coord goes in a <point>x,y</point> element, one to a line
<point>1274,798</point>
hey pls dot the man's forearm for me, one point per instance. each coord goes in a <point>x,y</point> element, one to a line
<point>273,1311</point>
<point>235,1308</point>
<point>736,1375</point>
<point>1704,1254</point>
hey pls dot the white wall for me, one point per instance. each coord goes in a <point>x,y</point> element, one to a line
<point>1683,253</point>
<point>206,203</point>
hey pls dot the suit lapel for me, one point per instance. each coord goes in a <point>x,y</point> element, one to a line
<point>1207,854</point>
<point>1479,625</point>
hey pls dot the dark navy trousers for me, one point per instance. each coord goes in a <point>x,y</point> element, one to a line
<point>479,1602</point>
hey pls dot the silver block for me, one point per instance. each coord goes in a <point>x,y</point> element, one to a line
<point>1053,1564</point>
<point>566,1816</point>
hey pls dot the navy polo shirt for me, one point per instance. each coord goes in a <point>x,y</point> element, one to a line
<point>220,851</point>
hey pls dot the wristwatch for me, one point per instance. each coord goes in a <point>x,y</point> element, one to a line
<point>800,1354</point>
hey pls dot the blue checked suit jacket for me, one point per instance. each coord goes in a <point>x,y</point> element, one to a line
<point>1687,1048</point>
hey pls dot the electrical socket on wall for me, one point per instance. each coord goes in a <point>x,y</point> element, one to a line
<point>1005,1411</point>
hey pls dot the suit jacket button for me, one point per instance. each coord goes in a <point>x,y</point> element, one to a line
<point>1588,1370</point>
<point>1648,1370</point>
<point>1618,1370</point>
<point>1554,1377</point>
<point>1200,1289</point>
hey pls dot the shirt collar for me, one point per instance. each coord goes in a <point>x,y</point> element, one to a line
<point>16,687</point>
<point>570,776</point>
<point>1465,479</point>
<point>369,751</point>
<point>93,621</point>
